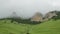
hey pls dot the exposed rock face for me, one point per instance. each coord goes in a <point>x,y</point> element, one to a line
<point>58,15</point>
<point>37,17</point>
<point>49,15</point>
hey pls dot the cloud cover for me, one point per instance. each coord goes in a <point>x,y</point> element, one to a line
<point>27,8</point>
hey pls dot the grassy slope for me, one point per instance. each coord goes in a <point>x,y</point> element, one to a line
<point>49,27</point>
<point>7,28</point>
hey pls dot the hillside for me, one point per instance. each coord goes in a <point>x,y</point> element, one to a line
<point>49,27</point>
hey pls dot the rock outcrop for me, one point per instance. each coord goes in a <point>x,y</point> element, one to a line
<point>50,15</point>
<point>37,17</point>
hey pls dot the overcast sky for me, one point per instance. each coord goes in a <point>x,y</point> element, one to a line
<point>27,8</point>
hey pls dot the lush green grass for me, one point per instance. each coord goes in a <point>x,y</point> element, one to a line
<point>49,27</point>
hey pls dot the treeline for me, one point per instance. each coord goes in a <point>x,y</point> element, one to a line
<point>23,21</point>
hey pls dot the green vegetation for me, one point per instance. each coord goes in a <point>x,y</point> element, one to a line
<point>58,15</point>
<point>49,27</point>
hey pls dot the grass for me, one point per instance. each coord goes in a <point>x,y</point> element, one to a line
<point>49,27</point>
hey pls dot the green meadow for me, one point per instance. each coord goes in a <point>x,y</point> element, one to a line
<point>48,27</point>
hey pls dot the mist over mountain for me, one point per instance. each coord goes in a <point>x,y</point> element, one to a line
<point>27,8</point>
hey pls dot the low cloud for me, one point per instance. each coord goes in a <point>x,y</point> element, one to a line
<point>27,8</point>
